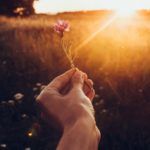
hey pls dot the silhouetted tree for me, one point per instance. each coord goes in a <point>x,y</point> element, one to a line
<point>16,7</point>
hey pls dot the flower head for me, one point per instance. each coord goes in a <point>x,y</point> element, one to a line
<point>61,26</point>
<point>18,96</point>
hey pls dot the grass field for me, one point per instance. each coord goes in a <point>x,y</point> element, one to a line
<point>117,59</point>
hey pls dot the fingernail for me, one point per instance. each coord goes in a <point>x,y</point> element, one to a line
<point>78,74</point>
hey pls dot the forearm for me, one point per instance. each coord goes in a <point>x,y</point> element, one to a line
<point>83,135</point>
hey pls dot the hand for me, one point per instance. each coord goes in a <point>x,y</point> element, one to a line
<point>66,109</point>
<point>67,102</point>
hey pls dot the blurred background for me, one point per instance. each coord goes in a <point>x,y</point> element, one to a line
<point>112,41</point>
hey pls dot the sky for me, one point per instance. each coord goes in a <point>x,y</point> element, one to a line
<point>54,6</point>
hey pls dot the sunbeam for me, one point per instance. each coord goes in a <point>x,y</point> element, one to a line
<point>104,26</point>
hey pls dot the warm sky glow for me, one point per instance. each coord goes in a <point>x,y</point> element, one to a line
<point>53,6</point>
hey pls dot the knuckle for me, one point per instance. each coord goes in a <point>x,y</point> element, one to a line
<point>41,97</point>
<point>45,96</point>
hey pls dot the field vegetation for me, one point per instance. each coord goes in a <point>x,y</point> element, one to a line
<point>117,59</point>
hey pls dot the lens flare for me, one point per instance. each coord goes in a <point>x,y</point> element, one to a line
<point>125,12</point>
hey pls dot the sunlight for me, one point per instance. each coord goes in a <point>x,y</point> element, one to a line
<point>123,12</point>
<point>91,37</point>
<point>124,7</point>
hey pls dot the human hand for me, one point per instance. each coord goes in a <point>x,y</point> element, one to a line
<point>75,104</point>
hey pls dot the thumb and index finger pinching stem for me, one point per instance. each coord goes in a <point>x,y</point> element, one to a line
<point>59,83</point>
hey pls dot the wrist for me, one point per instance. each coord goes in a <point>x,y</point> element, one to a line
<point>82,135</point>
<point>80,114</point>
<point>85,127</point>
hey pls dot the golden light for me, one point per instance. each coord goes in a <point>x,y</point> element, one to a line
<point>123,12</point>
<point>124,7</point>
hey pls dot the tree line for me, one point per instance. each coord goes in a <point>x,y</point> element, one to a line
<point>17,7</point>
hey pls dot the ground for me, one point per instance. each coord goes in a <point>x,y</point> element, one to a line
<point>116,56</point>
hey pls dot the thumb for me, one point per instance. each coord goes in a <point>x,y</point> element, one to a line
<point>78,80</point>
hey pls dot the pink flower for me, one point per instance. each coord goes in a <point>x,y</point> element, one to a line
<point>61,26</point>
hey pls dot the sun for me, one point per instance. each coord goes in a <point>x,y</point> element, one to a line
<point>126,9</point>
<point>125,12</point>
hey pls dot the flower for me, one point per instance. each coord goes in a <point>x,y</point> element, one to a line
<point>61,26</point>
<point>18,96</point>
<point>11,102</point>
<point>24,116</point>
<point>27,148</point>
<point>35,89</point>
<point>3,145</point>
<point>38,84</point>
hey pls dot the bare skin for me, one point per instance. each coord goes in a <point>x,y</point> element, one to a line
<point>66,101</point>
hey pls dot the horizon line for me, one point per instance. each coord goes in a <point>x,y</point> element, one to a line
<point>87,10</point>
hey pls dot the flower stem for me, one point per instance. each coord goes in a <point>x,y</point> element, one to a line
<point>67,50</point>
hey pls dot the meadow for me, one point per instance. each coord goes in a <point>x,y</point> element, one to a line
<point>116,58</point>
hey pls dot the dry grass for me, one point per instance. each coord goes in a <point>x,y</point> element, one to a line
<point>117,59</point>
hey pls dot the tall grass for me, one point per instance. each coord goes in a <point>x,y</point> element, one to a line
<point>117,59</point>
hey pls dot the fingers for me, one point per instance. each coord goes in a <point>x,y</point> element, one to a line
<point>78,80</point>
<point>50,92</point>
<point>83,85</point>
<point>88,85</point>
<point>59,82</point>
<point>88,89</point>
<point>91,94</point>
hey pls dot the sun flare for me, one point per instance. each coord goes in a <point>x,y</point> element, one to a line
<point>123,12</point>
